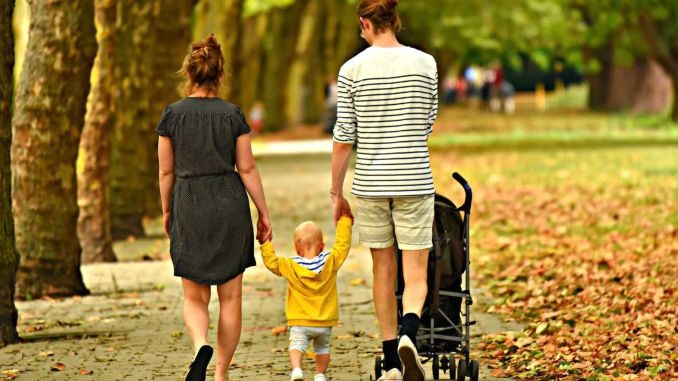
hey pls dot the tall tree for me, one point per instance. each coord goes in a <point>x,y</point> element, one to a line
<point>657,20</point>
<point>50,110</point>
<point>94,221</point>
<point>231,46</point>
<point>172,39</point>
<point>280,45</point>
<point>130,150</point>
<point>9,258</point>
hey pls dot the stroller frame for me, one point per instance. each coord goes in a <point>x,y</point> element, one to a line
<point>433,339</point>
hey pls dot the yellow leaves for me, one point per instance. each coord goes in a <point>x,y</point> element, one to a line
<point>541,328</point>
<point>276,331</point>
<point>57,367</point>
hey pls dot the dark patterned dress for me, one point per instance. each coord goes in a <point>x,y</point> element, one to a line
<point>211,237</point>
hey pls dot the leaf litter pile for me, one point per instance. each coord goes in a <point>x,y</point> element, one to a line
<point>589,263</point>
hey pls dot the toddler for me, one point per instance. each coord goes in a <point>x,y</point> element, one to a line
<point>312,306</point>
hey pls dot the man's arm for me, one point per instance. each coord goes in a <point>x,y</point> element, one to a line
<point>344,137</point>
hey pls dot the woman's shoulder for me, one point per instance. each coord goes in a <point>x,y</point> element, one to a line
<point>213,105</point>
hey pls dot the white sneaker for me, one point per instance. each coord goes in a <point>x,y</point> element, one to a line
<point>412,369</point>
<point>297,375</point>
<point>319,377</point>
<point>391,375</point>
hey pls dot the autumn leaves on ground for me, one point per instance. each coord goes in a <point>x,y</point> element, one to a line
<point>581,244</point>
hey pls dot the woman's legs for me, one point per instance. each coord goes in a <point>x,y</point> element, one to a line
<point>196,314</point>
<point>230,324</point>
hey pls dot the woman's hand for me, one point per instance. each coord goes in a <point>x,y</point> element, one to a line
<point>264,230</point>
<point>340,207</point>
<point>166,223</point>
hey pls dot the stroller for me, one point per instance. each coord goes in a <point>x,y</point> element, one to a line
<point>442,334</point>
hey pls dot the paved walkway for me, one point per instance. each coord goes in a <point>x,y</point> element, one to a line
<point>131,328</point>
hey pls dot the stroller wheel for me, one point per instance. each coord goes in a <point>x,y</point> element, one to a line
<point>377,367</point>
<point>475,368</point>
<point>436,368</point>
<point>461,370</point>
<point>453,366</point>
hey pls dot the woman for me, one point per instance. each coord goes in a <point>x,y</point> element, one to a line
<point>388,101</point>
<point>203,140</point>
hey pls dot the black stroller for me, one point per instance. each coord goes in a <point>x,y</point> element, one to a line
<point>442,334</point>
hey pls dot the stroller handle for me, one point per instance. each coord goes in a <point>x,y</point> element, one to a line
<point>466,207</point>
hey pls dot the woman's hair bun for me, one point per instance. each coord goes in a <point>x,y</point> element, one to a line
<point>382,13</point>
<point>204,65</point>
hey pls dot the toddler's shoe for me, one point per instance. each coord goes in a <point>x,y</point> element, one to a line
<point>391,375</point>
<point>297,375</point>
<point>412,369</point>
<point>319,377</point>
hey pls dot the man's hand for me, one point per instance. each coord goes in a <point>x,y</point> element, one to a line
<point>340,207</point>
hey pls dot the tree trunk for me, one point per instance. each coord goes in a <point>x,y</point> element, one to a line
<point>250,79</point>
<point>9,258</point>
<point>600,80</point>
<point>663,47</point>
<point>172,31</point>
<point>50,110</point>
<point>640,88</point>
<point>94,222</point>
<point>231,46</point>
<point>313,55</point>
<point>130,149</point>
<point>281,42</point>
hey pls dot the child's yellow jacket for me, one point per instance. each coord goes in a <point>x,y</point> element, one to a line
<point>312,297</point>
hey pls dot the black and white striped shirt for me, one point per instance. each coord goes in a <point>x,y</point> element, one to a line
<point>387,103</point>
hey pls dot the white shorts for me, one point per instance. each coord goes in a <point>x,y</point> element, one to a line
<point>301,336</point>
<point>409,220</point>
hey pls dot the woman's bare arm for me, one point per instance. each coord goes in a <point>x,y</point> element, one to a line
<point>166,177</point>
<point>247,168</point>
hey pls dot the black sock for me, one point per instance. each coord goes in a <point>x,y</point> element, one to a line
<point>391,359</point>
<point>410,326</point>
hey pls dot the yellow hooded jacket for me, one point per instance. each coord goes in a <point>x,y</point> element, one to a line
<point>312,298</point>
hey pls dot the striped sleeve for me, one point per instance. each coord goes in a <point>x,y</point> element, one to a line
<point>345,128</point>
<point>433,113</point>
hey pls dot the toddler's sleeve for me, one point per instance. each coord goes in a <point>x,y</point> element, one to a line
<point>241,126</point>
<point>163,127</point>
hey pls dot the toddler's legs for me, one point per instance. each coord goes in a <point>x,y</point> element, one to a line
<point>230,324</point>
<point>299,339</point>
<point>295,358</point>
<point>196,314</point>
<point>321,347</point>
<point>322,362</point>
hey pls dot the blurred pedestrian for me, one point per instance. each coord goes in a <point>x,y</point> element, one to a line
<point>257,114</point>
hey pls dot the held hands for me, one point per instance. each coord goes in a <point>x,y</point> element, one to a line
<point>340,207</point>
<point>264,230</point>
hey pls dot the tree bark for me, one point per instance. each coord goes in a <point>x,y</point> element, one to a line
<point>94,221</point>
<point>130,149</point>
<point>250,78</point>
<point>172,33</point>
<point>640,88</point>
<point>231,46</point>
<point>9,258</point>
<point>50,110</point>
<point>663,48</point>
<point>280,42</point>
<point>599,81</point>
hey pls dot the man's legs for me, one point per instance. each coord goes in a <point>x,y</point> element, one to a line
<point>383,292</point>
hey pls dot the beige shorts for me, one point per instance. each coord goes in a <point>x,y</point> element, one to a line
<point>409,220</point>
